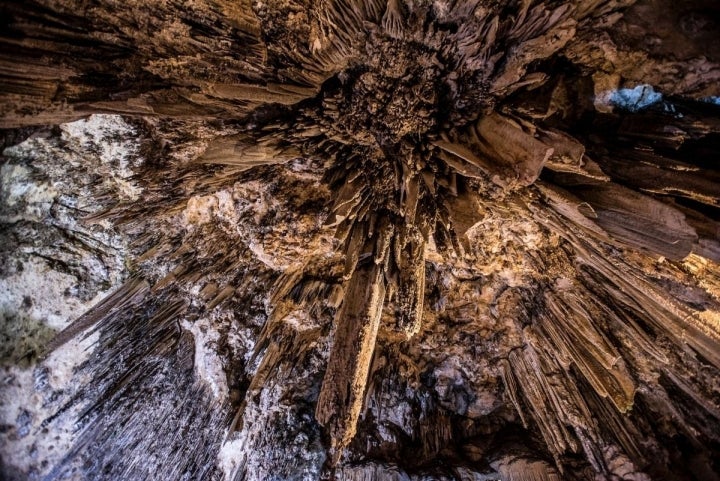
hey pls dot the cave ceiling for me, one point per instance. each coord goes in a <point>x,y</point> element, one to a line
<point>362,240</point>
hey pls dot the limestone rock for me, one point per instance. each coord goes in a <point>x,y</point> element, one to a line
<point>383,239</point>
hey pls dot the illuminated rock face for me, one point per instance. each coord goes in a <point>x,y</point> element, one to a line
<point>360,240</point>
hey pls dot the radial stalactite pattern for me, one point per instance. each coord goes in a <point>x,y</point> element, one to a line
<point>424,239</point>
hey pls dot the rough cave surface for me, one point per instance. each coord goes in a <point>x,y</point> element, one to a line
<point>360,240</point>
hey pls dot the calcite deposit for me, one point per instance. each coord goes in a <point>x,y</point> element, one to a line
<point>360,240</point>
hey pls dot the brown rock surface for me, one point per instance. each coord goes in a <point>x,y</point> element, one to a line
<point>363,240</point>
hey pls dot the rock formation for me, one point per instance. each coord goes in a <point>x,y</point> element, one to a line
<point>362,240</point>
